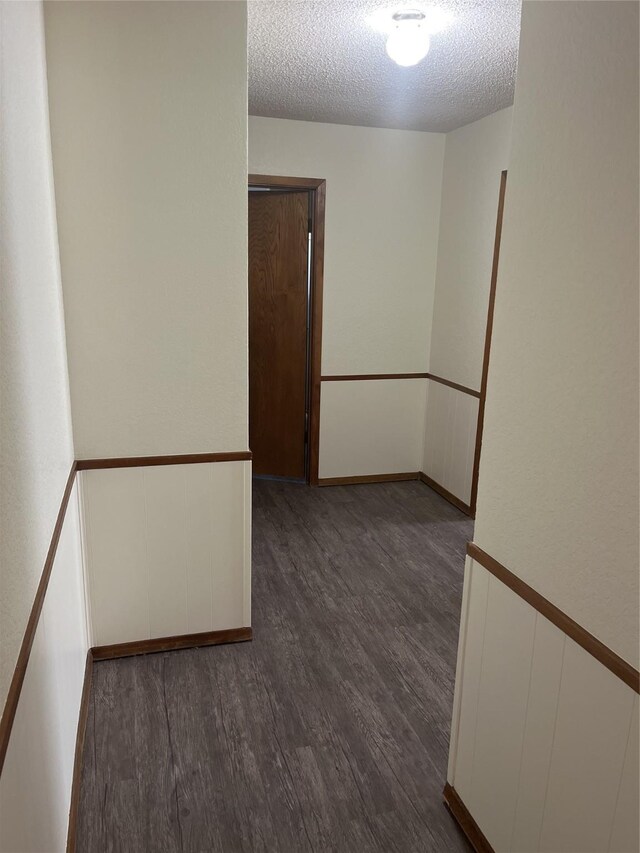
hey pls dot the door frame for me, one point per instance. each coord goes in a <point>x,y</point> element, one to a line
<point>317,187</point>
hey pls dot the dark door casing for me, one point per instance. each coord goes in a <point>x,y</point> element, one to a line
<point>278,312</point>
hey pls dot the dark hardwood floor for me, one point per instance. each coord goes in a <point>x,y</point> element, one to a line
<point>329,732</point>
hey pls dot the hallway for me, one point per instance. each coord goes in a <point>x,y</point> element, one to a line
<point>330,730</point>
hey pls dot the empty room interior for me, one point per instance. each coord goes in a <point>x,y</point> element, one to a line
<point>319,373</point>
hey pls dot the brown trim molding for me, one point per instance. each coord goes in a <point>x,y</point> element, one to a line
<point>317,285</point>
<point>285,182</point>
<point>179,459</point>
<point>318,188</point>
<point>19,672</point>
<point>465,821</point>
<point>397,478</point>
<point>208,638</point>
<point>72,829</point>
<point>606,656</point>
<point>359,377</point>
<point>169,644</point>
<point>455,385</point>
<point>487,342</point>
<point>369,478</point>
<point>448,496</point>
<point>13,696</point>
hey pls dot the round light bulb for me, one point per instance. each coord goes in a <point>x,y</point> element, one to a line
<point>408,42</point>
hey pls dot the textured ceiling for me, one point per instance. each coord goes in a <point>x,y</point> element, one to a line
<point>324,61</point>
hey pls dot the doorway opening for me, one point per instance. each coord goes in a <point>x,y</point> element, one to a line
<point>286,263</point>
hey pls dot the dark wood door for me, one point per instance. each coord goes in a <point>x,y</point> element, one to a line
<point>278,246</point>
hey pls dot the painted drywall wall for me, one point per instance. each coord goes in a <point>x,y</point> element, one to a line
<point>558,488</point>
<point>36,447</point>
<point>148,121</point>
<point>381,235</point>
<point>169,549</point>
<point>544,747</point>
<point>35,787</point>
<point>371,427</point>
<point>474,157</point>
<point>36,455</point>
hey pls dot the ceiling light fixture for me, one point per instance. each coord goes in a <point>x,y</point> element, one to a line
<point>408,41</point>
<point>409,31</point>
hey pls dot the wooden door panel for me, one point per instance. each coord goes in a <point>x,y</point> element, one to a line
<point>278,245</point>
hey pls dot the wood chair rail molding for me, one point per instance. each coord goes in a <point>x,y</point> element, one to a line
<point>487,342</point>
<point>22,661</point>
<point>20,670</point>
<point>175,459</point>
<point>359,377</point>
<point>463,388</point>
<point>602,653</point>
<point>76,779</point>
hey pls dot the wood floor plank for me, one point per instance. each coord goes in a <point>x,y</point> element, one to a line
<point>329,732</point>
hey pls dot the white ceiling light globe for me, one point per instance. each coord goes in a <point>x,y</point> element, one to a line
<point>408,42</point>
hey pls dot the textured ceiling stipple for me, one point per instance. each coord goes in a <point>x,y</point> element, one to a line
<point>323,61</point>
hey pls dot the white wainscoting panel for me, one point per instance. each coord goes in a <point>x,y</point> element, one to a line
<point>474,596</point>
<point>168,549</point>
<point>544,749</point>
<point>587,760</point>
<point>449,439</point>
<point>35,787</point>
<point>626,822</point>
<point>372,426</point>
<point>508,641</point>
<point>539,728</point>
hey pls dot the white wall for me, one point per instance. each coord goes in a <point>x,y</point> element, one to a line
<point>382,213</point>
<point>558,491</point>
<point>544,738</point>
<point>474,158</point>
<point>36,454</point>
<point>381,234</point>
<point>36,444</point>
<point>148,122</point>
<point>371,427</point>
<point>169,549</point>
<point>382,245</point>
